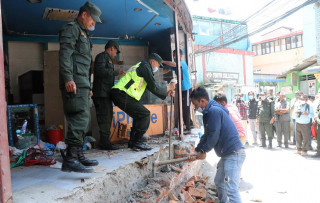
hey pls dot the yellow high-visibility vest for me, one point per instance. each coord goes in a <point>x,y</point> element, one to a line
<point>131,83</point>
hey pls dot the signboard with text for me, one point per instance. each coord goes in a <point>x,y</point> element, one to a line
<point>221,77</point>
<point>312,87</point>
<point>156,120</point>
<point>286,90</point>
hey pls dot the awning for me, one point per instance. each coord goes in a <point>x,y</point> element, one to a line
<point>268,80</point>
<point>312,69</point>
<point>304,64</point>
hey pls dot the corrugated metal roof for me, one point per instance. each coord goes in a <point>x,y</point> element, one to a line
<point>304,64</point>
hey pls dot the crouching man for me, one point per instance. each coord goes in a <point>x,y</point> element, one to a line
<point>126,94</point>
<point>221,134</point>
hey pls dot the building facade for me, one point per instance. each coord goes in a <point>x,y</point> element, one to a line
<point>305,76</point>
<point>278,52</point>
<point>223,58</point>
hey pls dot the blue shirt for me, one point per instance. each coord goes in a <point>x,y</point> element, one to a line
<point>303,119</point>
<point>185,82</point>
<point>220,132</point>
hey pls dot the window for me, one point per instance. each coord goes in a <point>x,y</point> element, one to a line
<point>293,42</point>
<point>254,49</point>
<point>283,44</point>
<point>195,27</point>
<point>272,46</point>
<point>299,41</point>
<point>263,48</point>
<point>268,48</point>
<point>259,49</point>
<point>216,29</point>
<point>288,43</point>
<point>277,45</point>
<point>205,28</point>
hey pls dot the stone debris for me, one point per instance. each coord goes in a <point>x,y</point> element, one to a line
<point>196,190</point>
<point>166,185</point>
<point>199,189</point>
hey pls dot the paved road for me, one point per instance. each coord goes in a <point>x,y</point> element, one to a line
<point>275,176</point>
<point>280,176</point>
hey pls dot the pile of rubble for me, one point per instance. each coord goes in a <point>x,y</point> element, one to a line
<point>197,190</point>
<point>157,188</point>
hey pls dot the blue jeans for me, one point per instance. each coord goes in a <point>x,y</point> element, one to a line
<point>228,176</point>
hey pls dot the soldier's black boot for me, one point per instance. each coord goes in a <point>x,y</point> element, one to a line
<point>263,143</point>
<point>109,146</point>
<point>84,160</point>
<point>135,142</point>
<point>139,144</point>
<point>270,144</point>
<point>71,162</point>
<point>132,138</point>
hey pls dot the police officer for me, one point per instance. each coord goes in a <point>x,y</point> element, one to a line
<point>282,119</point>
<point>127,93</point>
<point>265,116</point>
<point>75,60</point>
<point>104,74</point>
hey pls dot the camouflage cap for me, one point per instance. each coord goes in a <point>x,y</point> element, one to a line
<point>112,43</point>
<point>95,12</point>
<point>157,58</point>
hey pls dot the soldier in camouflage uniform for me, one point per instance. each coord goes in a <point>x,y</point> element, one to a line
<point>104,74</point>
<point>282,120</point>
<point>75,61</point>
<point>265,116</point>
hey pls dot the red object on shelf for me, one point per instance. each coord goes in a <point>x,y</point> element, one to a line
<point>54,136</point>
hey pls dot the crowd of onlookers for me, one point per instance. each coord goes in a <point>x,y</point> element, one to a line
<point>268,115</point>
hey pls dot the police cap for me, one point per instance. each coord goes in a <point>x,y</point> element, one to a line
<point>94,11</point>
<point>157,58</point>
<point>112,43</point>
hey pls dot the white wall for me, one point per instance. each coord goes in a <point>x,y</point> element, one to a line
<point>133,54</point>
<point>26,56</point>
<point>128,53</point>
<point>23,57</point>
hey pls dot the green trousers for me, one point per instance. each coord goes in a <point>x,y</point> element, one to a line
<point>77,113</point>
<point>283,128</point>
<point>139,113</point>
<point>265,127</point>
<point>104,113</point>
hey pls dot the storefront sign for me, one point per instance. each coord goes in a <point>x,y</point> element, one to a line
<point>286,90</point>
<point>222,77</point>
<point>312,87</point>
<point>156,120</point>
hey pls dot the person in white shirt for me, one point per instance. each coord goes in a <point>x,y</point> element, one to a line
<point>294,101</point>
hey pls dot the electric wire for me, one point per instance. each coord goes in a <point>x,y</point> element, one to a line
<point>261,28</point>
<point>230,32</point>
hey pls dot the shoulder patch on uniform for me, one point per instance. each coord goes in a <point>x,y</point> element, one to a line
<point>83,35</point>
<point>71,23</point>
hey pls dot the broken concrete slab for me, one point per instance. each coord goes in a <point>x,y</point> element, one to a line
<point>120,174</point>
